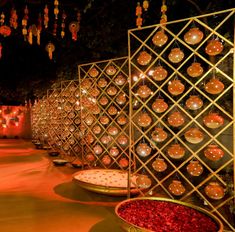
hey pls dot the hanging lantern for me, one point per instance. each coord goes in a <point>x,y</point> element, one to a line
<point>213,152</point>
<point>159,165</point>
<point>143,149</point>
<point>144,91</point>
<point>74,28</point>
<point>195,70</point>
<point>176,87</point>
<point>123,162</point>
<point>159,135</point>
<point>145,5</point>
<point>143,181</point>
<point>159,105</point>
<point>176,55</point>
<point>213,120</point>
<point>5,31</point>
<point>46,16</point>
<point>50,48</point>
<point>194,102</point>
<point>176,151</point>
<point>176,188</point>
<point>159,73</point>
<point>194,168</point>
<point>93,72</point>
<point>160,38</point>
<point>214,47</point>
<point>214,190</point>
<point>176,119</point>
<point>214,86</point>
<point>193,36</point>
<point>111,70</point>
<point>144,58</point>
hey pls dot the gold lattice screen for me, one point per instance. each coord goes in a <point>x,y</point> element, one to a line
<point>39,120</point>
<point>182,110</point>
<point>104,91</point>
<point>54,117</point>
<point>69,120</point>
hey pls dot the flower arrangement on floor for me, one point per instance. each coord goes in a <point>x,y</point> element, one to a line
<point>165,216</point>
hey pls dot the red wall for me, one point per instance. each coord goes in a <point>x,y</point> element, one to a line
<point>15,122</point>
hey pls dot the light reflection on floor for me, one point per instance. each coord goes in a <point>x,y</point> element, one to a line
<point>37,196</point>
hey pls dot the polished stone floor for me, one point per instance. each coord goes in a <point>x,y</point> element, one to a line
<point>37,196</point>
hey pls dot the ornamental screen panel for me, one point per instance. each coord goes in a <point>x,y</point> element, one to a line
<point>39,120</point>
<point>182,111</point>
<point>54,117</point>
<point>104,91</point>
<point>69,133</point>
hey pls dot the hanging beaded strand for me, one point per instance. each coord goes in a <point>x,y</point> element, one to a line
<point>25,23</point>
<point>138,13</point>
<point>62,33</point>
<point>39,29</point>
<point>163,19</point>
<point>13,19</point>
<point>46,16</point>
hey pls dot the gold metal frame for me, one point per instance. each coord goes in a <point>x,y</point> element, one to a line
<point>106,190</point>
<point>70,120</point>
<point>139,39</point>
<point>39,120</point>
<point>121,66</point>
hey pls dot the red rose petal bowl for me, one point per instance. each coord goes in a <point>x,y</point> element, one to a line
<point>154,214</point>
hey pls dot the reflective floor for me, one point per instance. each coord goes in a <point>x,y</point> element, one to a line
<point>37,196</point>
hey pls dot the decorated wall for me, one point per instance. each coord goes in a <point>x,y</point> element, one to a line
<point>15,122</point>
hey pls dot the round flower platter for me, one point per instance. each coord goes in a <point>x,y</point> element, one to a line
<point>53,153</point>
<point>111,182</point>
<point>60,162</point>
<point>78,164</point>
<point>46,147</point>
<point>153,214</point>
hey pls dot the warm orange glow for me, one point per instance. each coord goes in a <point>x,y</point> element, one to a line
<point>13,121</point>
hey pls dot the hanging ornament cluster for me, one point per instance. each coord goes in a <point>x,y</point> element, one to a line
<point>56,9</point>
<point>145,5</point>
<point>25,22</point>
<point>139,19</point>
<point>46,16</point>
<point>56,12</point>
<point>62,33</point>
<point>50,48</point>
<point>29,32</point>
<point>163,19</point>
<point>2,18</point>
<point>138,13</point>
<point>13,19</point>
<point>39,29</point>
<point>74,26</point>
